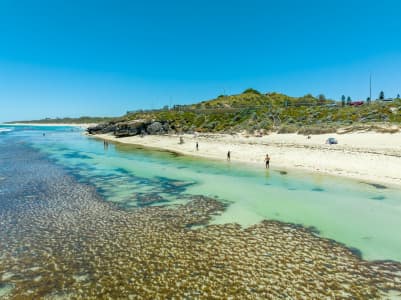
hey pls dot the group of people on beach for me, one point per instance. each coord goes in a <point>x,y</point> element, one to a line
<point>105,145</point>
<point>267,158</point>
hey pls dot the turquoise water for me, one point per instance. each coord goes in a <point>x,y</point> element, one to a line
<point>354,213</point>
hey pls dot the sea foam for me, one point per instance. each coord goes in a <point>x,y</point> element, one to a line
<point>5,129</point>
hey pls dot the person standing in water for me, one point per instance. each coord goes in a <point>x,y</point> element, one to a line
<point>267,161</point>
<point>229,155</point>
<point>197,146</point>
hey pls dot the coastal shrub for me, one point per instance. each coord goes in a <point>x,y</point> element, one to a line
<point>265,124</point>
<point>384,129</point>
<point>211,125</point>
<point>316,130</point>
<point>287,129</point>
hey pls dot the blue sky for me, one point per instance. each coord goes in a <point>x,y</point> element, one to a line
<point>73,58</point>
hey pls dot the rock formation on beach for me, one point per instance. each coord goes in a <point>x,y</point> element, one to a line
<point>123,129</point>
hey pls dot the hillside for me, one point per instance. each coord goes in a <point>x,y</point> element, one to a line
<point>258,113</point>
<point>250,112</point>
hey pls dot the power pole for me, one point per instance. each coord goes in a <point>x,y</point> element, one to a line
<point>370,87</point>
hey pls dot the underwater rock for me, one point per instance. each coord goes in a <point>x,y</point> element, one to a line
<point>5,289</point>
<point>378,198</point>
<point>376,185</point>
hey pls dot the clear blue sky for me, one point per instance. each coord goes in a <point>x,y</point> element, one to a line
<point>73,58</point>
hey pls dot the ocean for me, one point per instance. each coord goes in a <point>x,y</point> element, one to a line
<point>76,213</point>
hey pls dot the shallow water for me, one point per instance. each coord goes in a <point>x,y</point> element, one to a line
<point>354,213</point>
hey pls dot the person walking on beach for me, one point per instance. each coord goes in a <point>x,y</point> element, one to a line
<point>197,146</point>
<point>229,155</point>
<point>267,161</point>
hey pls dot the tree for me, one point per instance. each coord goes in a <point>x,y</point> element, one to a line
<point>251,91</point>
<point>342,100</point>
<point>398,96</point>
<point>349,100</point>
<point>368,100</point>
<point>322,98</point>
<point>381,95</point>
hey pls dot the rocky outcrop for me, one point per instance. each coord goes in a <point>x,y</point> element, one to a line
<point>102,128</point>
<point>155,128</point>
<point>123,129</point>
<point>130,129</point>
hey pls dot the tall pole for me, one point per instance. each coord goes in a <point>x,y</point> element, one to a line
<point>370,87</point>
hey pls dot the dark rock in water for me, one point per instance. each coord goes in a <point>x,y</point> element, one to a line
<point>317,189</point>
<point>76,154</point>
<point>376,185</point>
<point>5,289</point>
<point>356,252</point>
<point>314,230</point>
<point>283,172</point>
<point>146,199</point>
<point>122,170</point>
<point>378,198</point>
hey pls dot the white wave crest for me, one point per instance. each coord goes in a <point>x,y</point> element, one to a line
<point>5,129</point>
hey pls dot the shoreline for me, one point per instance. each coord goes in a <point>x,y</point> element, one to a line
<point>364,156</point>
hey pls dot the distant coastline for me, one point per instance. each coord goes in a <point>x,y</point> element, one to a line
<point>82,125</point>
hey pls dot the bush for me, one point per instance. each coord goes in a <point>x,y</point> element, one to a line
<point>251,91</point>
<point>316,130</point>
<point>287,129</point>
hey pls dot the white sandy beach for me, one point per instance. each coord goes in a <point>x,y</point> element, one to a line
<point>366,156</point>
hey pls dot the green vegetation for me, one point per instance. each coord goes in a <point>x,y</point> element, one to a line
<point>251,91</point>
<point>254,112</point>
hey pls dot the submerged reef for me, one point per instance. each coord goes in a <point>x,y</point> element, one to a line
<point>64,241</point>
